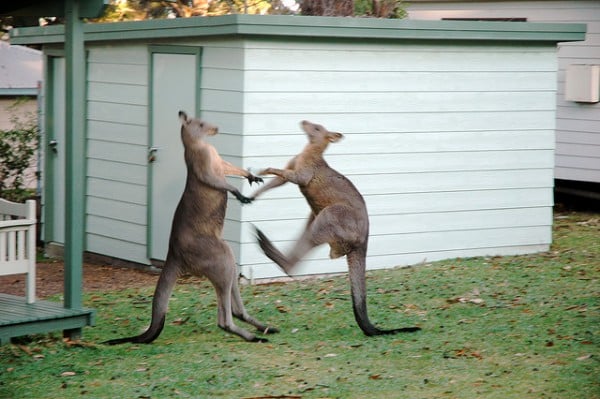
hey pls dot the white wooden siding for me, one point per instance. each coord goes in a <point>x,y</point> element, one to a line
<point>221,103</point>
<point>577,125</point>
<point>118,139</point>
<point>117,125</point>
<point>451,146</point>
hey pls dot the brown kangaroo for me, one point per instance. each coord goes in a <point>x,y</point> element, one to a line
<point>196,245</point>
<point>339,217</point>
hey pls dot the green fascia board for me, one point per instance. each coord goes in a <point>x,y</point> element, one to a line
<point>43,35</point>
<point>315,27</point>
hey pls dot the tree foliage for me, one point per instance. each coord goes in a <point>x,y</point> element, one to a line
<point>18,146</point>
<point>380,8</point>
<point>136,10</point>
<point>122,10</point>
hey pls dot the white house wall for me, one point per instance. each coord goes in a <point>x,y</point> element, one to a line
<point>451,145</point>
<point>578,124</point>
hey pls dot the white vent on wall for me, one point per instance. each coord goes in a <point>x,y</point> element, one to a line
<point>583,83</point>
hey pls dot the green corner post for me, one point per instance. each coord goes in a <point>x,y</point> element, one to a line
<point>75,159</point>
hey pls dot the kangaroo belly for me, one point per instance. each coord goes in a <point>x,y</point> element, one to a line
<point>200,212</point>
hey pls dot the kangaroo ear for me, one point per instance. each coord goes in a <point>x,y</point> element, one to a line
<point>183,117</point>
<point>334,137</point>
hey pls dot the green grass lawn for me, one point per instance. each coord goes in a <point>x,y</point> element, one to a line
<point>501,327</point>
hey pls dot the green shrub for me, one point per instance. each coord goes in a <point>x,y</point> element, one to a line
<point>18,149</point>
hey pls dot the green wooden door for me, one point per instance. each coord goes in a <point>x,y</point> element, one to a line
<point>55,150</point>
<point>174,83</point>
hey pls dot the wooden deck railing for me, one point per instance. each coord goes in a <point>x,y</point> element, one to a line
<point>17,242</point>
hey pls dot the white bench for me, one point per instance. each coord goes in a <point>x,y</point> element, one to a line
<point>17,242</point>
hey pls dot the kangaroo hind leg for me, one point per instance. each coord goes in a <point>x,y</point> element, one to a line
<point>239,311</point>
<point>223,281</point>
<point>317,231</point>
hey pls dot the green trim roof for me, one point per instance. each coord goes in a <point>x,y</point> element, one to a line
<point>302,26</point>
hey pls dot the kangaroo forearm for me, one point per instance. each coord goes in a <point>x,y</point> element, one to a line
<point>232,170</point>
<point>276,182</point>
<point>287,174</point>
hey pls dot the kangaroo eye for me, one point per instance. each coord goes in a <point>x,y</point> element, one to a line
<point>201,125</point>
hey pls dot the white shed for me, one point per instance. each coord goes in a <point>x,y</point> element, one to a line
<point>577,118</point>
<point>449,129</point>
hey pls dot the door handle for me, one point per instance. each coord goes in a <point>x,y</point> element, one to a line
<point>152,154</point>
<point>53,144</point>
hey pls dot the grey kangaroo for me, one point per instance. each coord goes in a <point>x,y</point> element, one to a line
<point>196,245</point>
<point>339,218</point>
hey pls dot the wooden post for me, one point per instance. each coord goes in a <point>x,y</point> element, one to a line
<point>75,158</point>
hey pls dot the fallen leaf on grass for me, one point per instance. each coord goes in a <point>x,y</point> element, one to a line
<point>180,321</point>
<point>476,301</point>
<point>585,357</point>
<point>282,309</point>
<point>274,397</point>
<point>590,222</point>
<point>465,352</point>
<point>25,349</point>
<point>78,344</point>
<point>579,308</point>
<point>68,374</point>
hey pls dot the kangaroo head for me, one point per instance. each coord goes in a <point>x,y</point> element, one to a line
<point>318,134</point>
<point>196,128</point>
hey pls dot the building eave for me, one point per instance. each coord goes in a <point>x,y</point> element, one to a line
<point>315,27</point>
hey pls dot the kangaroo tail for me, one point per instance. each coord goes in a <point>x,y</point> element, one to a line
<point>356,269</point>
<point>160,303</point>
<point>145,338</point>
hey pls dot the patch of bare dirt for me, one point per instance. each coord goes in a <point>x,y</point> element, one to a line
<point>96,278</point>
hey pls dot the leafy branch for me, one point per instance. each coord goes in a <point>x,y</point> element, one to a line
<point>18,146</point>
